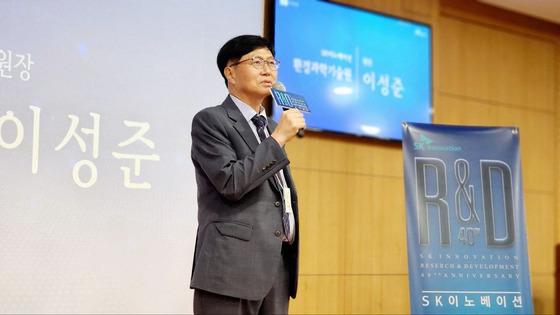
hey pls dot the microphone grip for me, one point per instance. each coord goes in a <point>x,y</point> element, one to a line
<point>300,133</point>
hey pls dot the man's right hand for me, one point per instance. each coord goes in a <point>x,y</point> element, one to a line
<point>290,122</point>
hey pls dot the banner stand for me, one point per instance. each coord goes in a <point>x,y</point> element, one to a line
<point>467,246</point>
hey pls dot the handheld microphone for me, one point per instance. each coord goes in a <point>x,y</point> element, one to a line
<point>280,87</point>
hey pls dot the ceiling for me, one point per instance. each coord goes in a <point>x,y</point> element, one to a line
<point>548,10</point>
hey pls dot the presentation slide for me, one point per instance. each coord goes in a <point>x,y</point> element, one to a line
<point>98,193</point>
<point>361,73</point>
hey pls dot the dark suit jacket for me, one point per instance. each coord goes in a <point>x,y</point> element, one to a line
<point>239,238</point>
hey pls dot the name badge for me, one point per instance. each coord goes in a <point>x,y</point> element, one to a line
<point>287,195</point>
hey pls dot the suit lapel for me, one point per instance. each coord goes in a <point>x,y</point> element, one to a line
<point>245,131</point>
<point>240,124</point>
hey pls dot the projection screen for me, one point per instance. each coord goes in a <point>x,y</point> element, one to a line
<point>98,199</point>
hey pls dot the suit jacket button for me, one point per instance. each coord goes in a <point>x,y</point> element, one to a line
<point>277,234</point>
<point>264,169</point>
<point>277,203</point>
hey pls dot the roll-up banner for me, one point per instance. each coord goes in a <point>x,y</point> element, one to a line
<point>467,246</point>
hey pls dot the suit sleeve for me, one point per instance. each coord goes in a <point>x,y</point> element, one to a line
<point>223,156</point>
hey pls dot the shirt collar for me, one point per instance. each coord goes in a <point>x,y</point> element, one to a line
<point>247,111</point>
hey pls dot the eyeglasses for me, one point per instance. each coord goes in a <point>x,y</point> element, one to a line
<point>258,63</point>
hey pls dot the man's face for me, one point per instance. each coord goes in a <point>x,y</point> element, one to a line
<point>249,83</point>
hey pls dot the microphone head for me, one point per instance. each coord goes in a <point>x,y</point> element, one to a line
<point>279,86</point>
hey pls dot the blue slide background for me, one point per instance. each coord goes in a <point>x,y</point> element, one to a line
<point>366,46</point>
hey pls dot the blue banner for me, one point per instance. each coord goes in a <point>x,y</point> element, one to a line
<point>467,246</point>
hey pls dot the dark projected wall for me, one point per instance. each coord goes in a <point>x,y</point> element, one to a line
<point>98,200</point>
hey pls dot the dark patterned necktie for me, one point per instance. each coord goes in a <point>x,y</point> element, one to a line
<point>260,122</point>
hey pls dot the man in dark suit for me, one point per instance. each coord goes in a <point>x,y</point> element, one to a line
<point>246,260</point>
